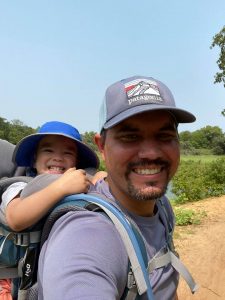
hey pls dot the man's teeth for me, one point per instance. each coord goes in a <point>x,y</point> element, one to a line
<point>147,171</point>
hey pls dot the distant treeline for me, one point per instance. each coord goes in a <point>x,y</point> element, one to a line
<point>207,140</point>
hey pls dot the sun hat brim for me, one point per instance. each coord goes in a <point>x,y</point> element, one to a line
<point>25,150</point>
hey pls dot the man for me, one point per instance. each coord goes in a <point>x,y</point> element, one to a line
<point>84,256</point>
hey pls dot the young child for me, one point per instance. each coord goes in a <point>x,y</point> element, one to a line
<point>55,149</point>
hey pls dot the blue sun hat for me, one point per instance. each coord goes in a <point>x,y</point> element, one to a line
<point>25,150</point>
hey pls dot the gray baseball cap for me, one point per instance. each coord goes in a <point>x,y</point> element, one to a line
<point>135,95</point>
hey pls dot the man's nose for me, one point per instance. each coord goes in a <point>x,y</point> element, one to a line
<point>150,149</point>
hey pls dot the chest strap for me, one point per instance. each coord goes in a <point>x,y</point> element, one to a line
<point>165,257</point>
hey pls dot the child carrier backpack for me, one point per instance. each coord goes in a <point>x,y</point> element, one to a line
<point>22,248</point>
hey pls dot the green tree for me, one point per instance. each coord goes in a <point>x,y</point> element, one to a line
<point>88,138</point>
<point>18,130</point>
<point>219,145</point>
<point>219,40</point>
<point>209,138</point>
<point>186,145</point>
<point>206,137</point>
<point>4,129</point>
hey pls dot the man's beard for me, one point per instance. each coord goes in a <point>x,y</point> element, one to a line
<point>140,194</point>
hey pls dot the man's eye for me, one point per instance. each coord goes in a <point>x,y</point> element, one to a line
<point>168,137</point>
<point>129,137</point>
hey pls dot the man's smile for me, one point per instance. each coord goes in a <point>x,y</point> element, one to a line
<point>147,171</point>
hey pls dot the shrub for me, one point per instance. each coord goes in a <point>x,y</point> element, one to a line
<point>188,217</point>
<point>187,184</point>
<point>214,177</point>
<point>196,180</point>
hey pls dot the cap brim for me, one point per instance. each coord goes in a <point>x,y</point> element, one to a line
<point>182,116</point>
<point>24,151</point>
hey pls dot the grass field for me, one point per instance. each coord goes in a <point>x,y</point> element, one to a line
<point>205,158</point>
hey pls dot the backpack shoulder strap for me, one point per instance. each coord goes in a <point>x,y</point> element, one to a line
<point>7,167</point>
<point>169,255</point>
<point>167,218</point>
<point>13,244</point>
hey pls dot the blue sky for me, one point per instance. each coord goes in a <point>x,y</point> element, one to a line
<point>58,57</point>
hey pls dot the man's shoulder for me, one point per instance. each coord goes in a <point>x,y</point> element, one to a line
<point>84,240</point>
<point>90,229</point>
<point>102,188</point>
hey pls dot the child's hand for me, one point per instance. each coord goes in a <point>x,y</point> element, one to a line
<point>73,182</point>
<point>99,175</point>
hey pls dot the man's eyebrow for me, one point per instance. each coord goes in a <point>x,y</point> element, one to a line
<point>127,127</point>
<point>131,128</point>
<point>169,126</point>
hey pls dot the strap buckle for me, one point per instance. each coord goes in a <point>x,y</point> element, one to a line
<point>131,283</point>
<point>22,239</point>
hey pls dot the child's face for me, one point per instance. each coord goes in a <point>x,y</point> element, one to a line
<point>55,154</point>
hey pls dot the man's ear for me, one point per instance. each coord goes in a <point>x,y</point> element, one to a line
<point>100,144</point>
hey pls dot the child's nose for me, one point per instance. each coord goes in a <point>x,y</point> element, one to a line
<point>57,157</point>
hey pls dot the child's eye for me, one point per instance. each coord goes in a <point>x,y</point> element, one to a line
<point>69,153</point>
<point>48,150</point>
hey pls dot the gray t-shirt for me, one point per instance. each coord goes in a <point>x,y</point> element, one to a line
<point>11,192</point>
<point>84,258</point>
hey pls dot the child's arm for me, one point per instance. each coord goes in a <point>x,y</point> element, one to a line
<point>22,213</point>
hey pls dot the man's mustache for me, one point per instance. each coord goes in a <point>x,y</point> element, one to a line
<point>148,162</point>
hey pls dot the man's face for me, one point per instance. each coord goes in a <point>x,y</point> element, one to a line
<point>55,154</point>
<point>141,156</point>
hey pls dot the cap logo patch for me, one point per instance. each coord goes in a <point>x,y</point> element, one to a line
<point>142,90</point>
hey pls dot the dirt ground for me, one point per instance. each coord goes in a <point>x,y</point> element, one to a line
<point>202,249</point>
